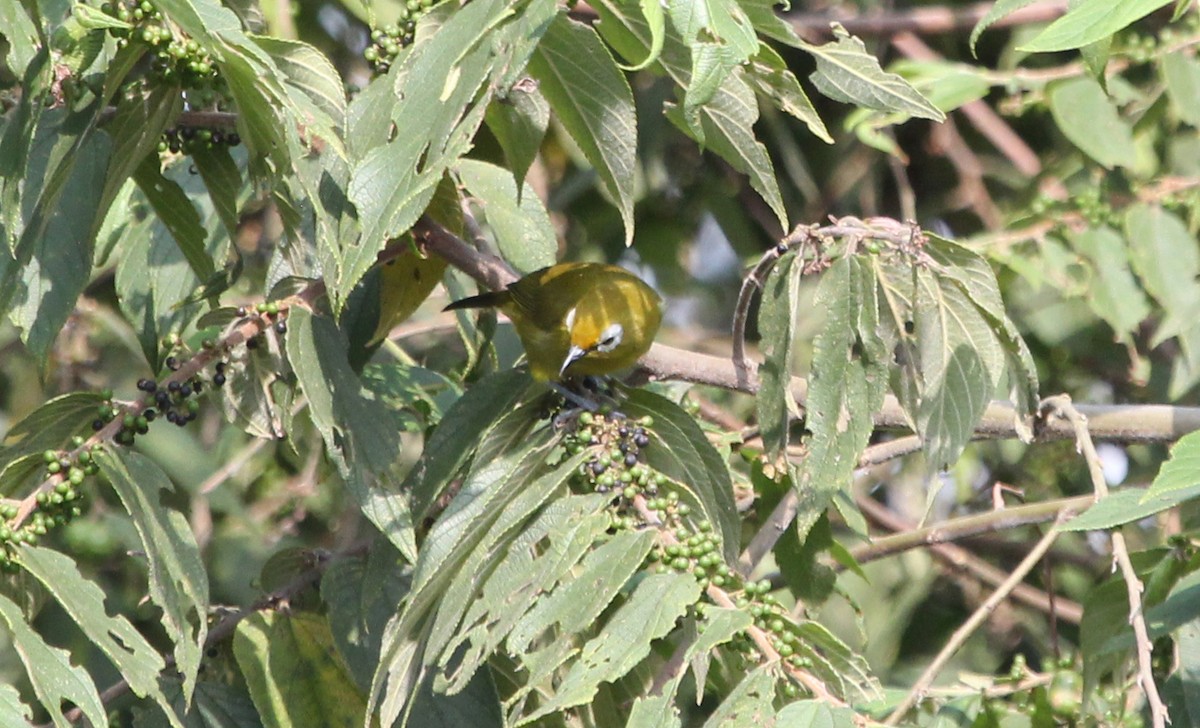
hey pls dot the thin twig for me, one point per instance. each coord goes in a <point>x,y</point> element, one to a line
<point>926,20</point>
<point>959,529</point>
<point>968,628</point>
<point>1061,406</point>
<point>961,559</point>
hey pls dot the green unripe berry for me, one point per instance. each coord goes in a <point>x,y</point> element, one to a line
<point>50,456</point>
<point>75,476</point>
<point>679,564</point>
<point>54,468</point>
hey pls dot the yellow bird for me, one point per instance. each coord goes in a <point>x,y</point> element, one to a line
<point>577,319</point>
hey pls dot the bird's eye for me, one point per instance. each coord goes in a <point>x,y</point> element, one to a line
<point>610,338</point>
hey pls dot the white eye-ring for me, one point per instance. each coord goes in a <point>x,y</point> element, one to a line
<point>610,338</point>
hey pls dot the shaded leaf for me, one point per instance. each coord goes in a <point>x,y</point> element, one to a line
<point>1182,75</point>
<point>1087,117</point>
<point>778,316</point>
<point>137,661</point>
<point>53,677</point>
<point>178,581</point>
<point>846,386</point>
<point>519,221</point>
<point>680,450</point>
<point>592,99</point>
<point>519,120</point>
<point>293,671</point>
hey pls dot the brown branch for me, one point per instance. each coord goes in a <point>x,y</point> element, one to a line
<point>1122,423</point>
<point>927,20</point>
<point>960,636</point>
<point>960,558</point>
<point>957,529</point>
<point>1060,406</point>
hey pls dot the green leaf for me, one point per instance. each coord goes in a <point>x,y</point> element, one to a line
<point>361,435</point>
<point>960,361</point>
<point>135,129</point>
<point>135,658</point>
<point>515,592</point>
<point>51,426</point>
<point>1181,472</point>
<point>846,386</point>
<point>12,710</point>
<point>451,445</point>
<point>178,581</point>
<point>55,251</point>
<point>769,75</point>
<point>53,677</point>
<point>21,35</point>
<point>322,94</point>
<point>214,705</point>
<point>1181,73</point>
<point>293,671</point>
<point>1165,257</point>
<point>778,316</point>
<point>176,212</point>
<point>460,547</point>
<point>624,640</point>
<point>721,38</point>
<point>519,121</point>
<point>767,22</point>
<point>1088,118</point>
<point>726,122</point>
<point>846,72</point>
<point>592,99</point>
<point>578,602</point>
<point>1114,294</point>
<point>815,714</point>
<point>680,450</point>
<point>656,21</point>
<point>518,220</point>
<point>223,180</point>
<point>1126,505</point>
<point>974,278</point>
<point>361,595</point>
<point>1089,21</point>
<point>494,502</point>
<point>999,9</point>
<point>434,92</point>
<point>749,703</point>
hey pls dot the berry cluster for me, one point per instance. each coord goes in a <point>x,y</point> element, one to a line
<point>648,498</point>
<point>616,444</point>
<point>56,506</point>
<point>265,310</point>
<point>175,59</point>
<point>387,41</point>
<point>188,139</point>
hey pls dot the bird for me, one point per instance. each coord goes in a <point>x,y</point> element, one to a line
<point>577,319</point>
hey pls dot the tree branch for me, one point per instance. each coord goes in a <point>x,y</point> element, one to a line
<point>927,20</point>
<point>968,628</point>
<point>1060,406</point>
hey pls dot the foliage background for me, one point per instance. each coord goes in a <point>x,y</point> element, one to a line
<point>1008,211</point>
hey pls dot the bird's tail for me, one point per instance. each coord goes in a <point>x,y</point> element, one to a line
<point>491,299</point>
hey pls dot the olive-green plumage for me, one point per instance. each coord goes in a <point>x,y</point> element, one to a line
<point>577,319</point>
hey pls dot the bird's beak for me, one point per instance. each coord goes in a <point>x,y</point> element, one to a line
<point>575,354</point>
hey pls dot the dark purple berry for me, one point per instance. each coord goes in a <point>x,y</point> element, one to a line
<point>218,379</point>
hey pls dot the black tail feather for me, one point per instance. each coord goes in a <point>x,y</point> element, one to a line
<point>491,299</point>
